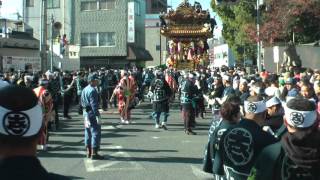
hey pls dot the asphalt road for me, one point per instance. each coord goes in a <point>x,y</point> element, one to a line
<point>135,152</point>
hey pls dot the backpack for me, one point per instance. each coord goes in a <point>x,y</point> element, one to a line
<point>185,95</point>
<point>159,91</point>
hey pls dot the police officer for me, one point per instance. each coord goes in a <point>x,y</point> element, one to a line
<point>20,124</point>
<point>161,94</point>
<point>90,103</point>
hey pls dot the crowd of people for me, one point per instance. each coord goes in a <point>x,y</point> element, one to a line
<point>264,125</point>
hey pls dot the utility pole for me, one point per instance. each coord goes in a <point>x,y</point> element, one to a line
<point>160,46</point>
<point>258,36</point>
<point>43,34</point>
<point>51,53</point>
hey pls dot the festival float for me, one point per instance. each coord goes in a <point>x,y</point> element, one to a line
<point>187,28</point>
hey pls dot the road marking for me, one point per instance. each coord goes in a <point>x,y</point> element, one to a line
<point>92,166</point>
<point>186,141</point>
<point>200,174</point>
<point>155,137</point>
<point>111,127</point>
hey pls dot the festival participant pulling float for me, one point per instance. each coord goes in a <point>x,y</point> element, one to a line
<point>187,28</point>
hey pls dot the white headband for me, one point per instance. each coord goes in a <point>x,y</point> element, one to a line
<point>273,101</point>
<point>254,107</point>
<point>300,119</point>
<point>21,123</point>
<point>255,89</point>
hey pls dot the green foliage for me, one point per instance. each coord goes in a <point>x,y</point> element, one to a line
<point>279,19</point>
<point>235,19</point>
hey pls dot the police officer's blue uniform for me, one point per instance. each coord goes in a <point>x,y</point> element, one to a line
<point>90,103</point>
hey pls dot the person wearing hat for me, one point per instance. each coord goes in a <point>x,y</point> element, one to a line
<point>161,93</point>
<point>188,91</point>
<point>240,145</point>
<point>297,155</point>
<point>275,114</point>
<point>292,91</point>
<point>228,89</point>
<point>20,130</point>
<point>90,104</point>
<point>45,99</point>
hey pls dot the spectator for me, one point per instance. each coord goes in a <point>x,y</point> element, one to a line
<point>19,142</point>
<point>297,156</point>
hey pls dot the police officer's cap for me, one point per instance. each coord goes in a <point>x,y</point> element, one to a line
<point>93,77</point>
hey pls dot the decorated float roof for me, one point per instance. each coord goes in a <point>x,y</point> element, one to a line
<point>187,21</point>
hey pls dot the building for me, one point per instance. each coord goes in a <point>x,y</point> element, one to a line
<point>108,32</point>
<point>111,33</point>
<point>60,11</point>
<point>155,43</point>
<point>156,6</point>
<point>223,56</point>
<point>19,51</point>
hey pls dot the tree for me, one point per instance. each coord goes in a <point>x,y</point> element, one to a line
<point>285,17</point>
<point>236,18</point>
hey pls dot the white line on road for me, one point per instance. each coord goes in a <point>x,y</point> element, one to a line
<point>91,167</point>
<point>200,174</point>
<point>111,127</point>
<point>186,141</point>
<point>155,137</point>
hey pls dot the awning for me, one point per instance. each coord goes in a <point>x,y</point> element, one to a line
<point>136,53</point>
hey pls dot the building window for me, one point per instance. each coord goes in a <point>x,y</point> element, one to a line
<point>53,3</point>
<point>89,39</point>
<point>137,8</point>
<point>107,4</point>
<point>154,5</point>
<point>107,39</point>
<point>89,6</point>
<point>30,3</point>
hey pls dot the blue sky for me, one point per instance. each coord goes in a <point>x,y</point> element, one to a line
<point>11,7</point>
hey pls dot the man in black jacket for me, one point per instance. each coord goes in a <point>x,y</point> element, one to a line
<point>297,155</point>
<point>161,94</point>
<point>20,124</point>
<point>240,145</point>
<point>188,92</point>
